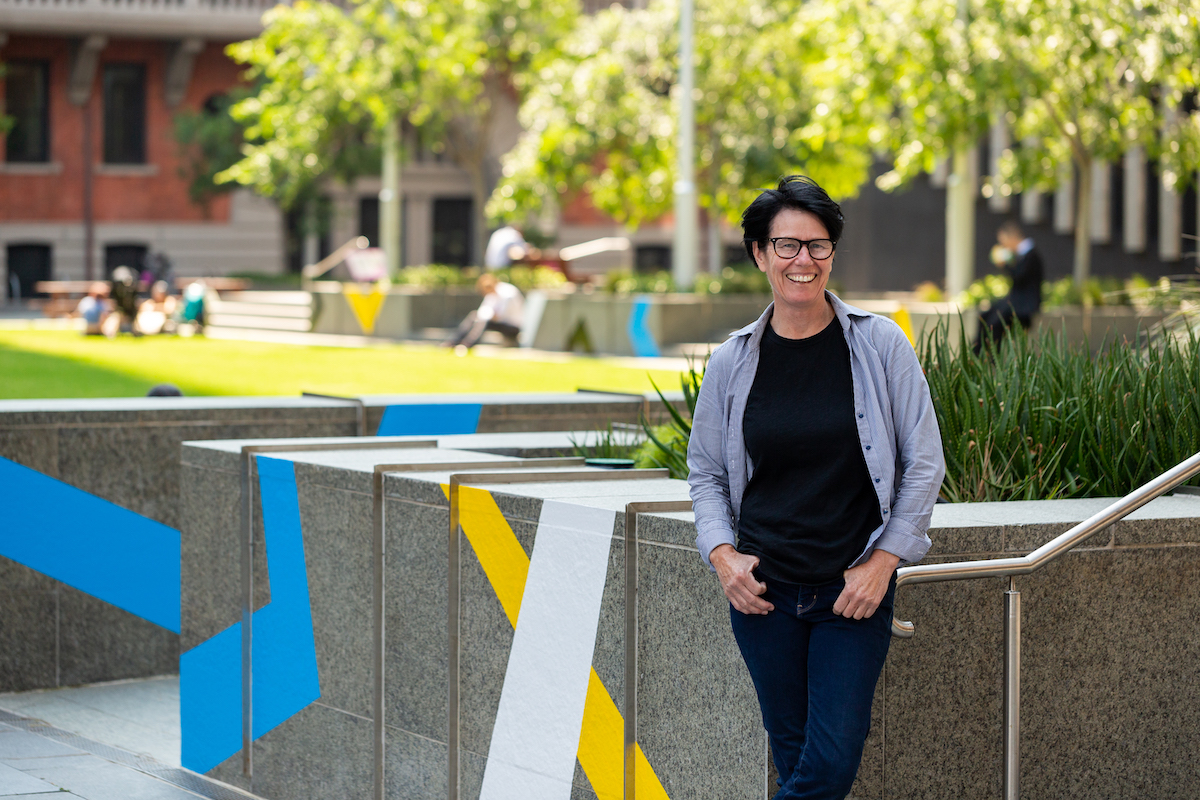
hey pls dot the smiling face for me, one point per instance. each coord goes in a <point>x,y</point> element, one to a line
<point>798,283</point>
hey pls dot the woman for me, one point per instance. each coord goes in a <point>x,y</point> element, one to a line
<point>815,462</point>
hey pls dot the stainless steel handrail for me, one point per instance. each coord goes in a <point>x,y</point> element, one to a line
<point>1023,565</point>
<point>1012,567</point>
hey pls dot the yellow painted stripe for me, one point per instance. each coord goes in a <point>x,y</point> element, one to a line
<point>602,739</point>
<point>900,317</point>
<point>496,546</point>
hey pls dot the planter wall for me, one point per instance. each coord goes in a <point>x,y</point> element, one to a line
<point>1111,703</point>
<point>108,472</point>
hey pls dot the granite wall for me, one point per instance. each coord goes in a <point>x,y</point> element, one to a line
<point>1110,703</point>
<point>126,451</point>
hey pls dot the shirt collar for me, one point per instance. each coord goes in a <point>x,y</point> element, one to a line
<point>843,311</point>
<point>1025,246</point>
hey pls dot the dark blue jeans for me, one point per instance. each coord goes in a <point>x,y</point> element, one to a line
<point>815,674</point>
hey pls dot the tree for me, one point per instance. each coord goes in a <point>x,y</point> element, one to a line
<point>328,82</point>
<point>332,81</point>
<point>210,142</point>
<point>1076,80</point>
<point>602,121</point>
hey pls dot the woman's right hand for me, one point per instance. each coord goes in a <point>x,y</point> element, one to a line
<point>736,571</point>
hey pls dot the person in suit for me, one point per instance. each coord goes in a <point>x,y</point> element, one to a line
<point>1018,258</point>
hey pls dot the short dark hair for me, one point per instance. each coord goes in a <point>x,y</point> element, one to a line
<point>1011,227</point>
<point>794,191</point>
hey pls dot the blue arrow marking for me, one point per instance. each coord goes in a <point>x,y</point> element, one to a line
<point>639,333</point>
<point>283,651</point>
<point>90,544</point>
<point>429,419</point>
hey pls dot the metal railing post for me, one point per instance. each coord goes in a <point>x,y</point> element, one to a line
<point>1012,691</point>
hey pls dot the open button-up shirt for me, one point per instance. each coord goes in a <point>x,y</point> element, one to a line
<point>897,430</point>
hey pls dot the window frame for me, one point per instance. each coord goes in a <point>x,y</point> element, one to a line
<point>43,123</point>
<point>112,133</point>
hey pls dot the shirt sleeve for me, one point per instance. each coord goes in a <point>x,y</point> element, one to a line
<point>919,458</point>
<point>487,309</point>
<point>708,475</point>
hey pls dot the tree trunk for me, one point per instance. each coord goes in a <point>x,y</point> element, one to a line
<point>1083,223</point>
<point>479,198</point>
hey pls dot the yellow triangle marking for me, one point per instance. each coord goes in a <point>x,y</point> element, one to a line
<point>900,317</point>
<point>602,739</point>
<point>366,307</point>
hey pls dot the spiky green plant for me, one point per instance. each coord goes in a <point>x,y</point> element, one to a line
<point>1034,418</point>
<point>666,445</point>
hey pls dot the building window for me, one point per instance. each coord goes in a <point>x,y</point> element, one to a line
<point>452,232</point>
<point>27,264</point>
<point>368,219</point>
<point>124,114</point>
<point>132,255</point>
<point>27,101</point>
<point>652,258</point>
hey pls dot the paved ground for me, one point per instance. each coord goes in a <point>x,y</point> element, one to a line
<point>114,741</point>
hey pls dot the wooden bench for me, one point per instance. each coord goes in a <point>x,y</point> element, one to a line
<point>64,295</point>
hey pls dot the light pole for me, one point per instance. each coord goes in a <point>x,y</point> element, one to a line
<point>683,256</point>
<point>389,198</point>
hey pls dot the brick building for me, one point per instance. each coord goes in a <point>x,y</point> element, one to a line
<point>90,173</point>
<point>90,176</point>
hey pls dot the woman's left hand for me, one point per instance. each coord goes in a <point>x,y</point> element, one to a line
<point>866,585</point>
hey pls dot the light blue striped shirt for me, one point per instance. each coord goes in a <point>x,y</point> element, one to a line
<point>897,429</point>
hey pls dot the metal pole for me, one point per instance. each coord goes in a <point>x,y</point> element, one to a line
<point>1012,691</point>
<point>683,257</point>
<point>960,203</point>
<point>390,235</point>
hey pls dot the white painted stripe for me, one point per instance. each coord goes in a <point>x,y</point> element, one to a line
<point>536,736</point>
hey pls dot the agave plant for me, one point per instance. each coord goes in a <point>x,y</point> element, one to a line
<point>666,445</point>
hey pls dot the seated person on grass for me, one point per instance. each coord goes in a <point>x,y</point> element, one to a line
<point>502,309</point>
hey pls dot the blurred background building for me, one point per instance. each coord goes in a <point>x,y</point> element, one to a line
<point>92,175</point>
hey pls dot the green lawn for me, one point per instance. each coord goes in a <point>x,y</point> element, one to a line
<point>66,364</point>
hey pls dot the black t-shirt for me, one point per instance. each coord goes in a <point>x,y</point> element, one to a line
<point>809,508</point>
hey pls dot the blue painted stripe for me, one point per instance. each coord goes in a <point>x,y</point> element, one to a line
<point>430,419</point>
<point>210,700</point>
<point>638,330</point>
<point>90,544</point>
<point>284,655</point>
<point>283,651</point>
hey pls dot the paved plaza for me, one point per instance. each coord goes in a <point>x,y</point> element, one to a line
<point>112,741</point>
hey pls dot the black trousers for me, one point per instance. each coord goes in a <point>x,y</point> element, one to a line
<point>996,321</point>
<point>470,331</point>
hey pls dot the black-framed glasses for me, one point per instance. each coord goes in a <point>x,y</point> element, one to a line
<point>786,247</point>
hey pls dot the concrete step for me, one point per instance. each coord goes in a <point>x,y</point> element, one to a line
<point>262,309</point>
<point>225,319</point>
<point>291,298</point>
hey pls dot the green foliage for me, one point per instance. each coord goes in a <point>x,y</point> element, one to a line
<point>1135,291</point>
<point>626,282</point>
<point>210,142</point>
<point>334,82</point>
<point>664,448</point>
<point>602,118</point>
<point>666,445</point>
<point>1038,419</point>
<point>985,290</point>
<point>439,276</point>
<point>1035,419</point>
<point>327,80</point>
<point>731,280</point>
<point>607,443</point>
<point>270,280</point>
<point>1074,82</point>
